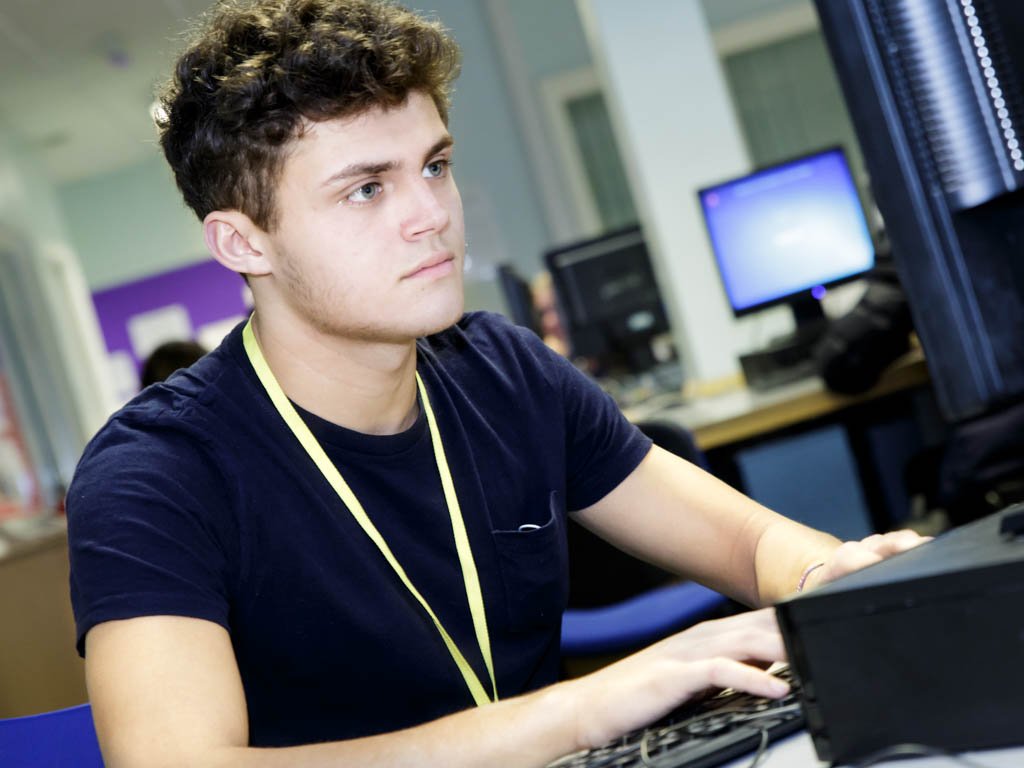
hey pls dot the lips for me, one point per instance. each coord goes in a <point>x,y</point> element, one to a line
<point>431,265</point>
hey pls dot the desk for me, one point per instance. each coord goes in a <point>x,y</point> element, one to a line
<point>796,751</point>
<point>39,667</point>
<point>756,440</point>
<point>742,414</point>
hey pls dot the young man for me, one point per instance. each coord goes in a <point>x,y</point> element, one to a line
<point>344,527</point>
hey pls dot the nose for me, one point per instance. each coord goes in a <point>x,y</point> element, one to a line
<point>425,212</point>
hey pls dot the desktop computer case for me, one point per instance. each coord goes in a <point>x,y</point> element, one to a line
<point>924,648</point>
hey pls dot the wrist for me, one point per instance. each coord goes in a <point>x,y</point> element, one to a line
<point>556,712</point>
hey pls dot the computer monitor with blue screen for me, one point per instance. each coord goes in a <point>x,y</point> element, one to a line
<point>785,233</point>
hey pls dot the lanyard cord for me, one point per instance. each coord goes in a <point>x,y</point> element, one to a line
<point>348,498</point>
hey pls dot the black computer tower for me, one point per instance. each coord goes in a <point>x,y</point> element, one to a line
<point>925,648</point>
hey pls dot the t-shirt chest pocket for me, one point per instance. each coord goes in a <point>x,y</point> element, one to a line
<point>534,567</point>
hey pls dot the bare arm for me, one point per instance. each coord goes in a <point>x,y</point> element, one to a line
<point>681,518</point>
<point>166,691</point>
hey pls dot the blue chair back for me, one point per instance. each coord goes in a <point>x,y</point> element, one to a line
<point>65,738</point>
<point>636,622</point>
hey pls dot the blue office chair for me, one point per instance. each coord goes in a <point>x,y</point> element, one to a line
<point>59,739</point>
<point>637,621</point>
<point>643,603</point>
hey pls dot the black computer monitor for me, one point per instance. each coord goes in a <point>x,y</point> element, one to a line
<point>609,299</point>
<point>785,233</point>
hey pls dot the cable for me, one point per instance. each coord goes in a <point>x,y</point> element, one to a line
<point>645,754</point>
<point>913,750</point>
<point>762,750</point>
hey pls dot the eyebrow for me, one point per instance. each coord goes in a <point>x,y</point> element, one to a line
<point>373,169</point>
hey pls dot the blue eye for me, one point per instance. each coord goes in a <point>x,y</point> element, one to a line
<point>436,169</point>
<point>365,193</point>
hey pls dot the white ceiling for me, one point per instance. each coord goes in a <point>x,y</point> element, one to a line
<point>77,76</point>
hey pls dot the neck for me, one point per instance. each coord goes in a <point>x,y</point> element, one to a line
<point>369,387</point>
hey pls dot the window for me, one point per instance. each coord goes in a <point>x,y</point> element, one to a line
<point>593,164</point>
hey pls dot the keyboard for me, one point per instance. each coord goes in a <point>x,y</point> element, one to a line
<point>663,383</point>
<point>701,734</point>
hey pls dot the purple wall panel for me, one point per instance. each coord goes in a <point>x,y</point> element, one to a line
<point>207,290</point>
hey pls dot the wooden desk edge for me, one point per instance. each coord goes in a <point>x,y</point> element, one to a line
<point>907,373</point>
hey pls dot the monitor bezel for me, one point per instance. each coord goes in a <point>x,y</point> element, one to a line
<point>808,291</point>
<point>586,248</point>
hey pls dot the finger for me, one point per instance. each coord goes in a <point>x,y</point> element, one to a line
<point>729,673</point>
<point>900,541</point>
<point>750,636</point>
<point>762,620</point>
<point>749,645</point>
<point>854,555</point>
<point>850,556</point>
<point>765,618</point>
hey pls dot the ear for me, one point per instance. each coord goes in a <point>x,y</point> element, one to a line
<point>236,242</point>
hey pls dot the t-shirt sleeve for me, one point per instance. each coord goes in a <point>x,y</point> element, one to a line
<point>602,447</point>
<point>147,529</point>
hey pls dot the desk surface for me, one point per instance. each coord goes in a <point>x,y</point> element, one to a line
<point>23,537</point>
<point>797,751</point>
<point>744,413</point>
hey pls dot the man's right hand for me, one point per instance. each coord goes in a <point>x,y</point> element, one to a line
<point>641,688</point>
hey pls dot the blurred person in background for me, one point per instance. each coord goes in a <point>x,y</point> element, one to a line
<point>168,358</point>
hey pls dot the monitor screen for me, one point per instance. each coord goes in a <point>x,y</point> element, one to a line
<point>519,298</point>
<point>609,297</point>
<point>785,231</point>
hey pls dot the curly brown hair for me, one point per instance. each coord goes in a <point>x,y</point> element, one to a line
<point>258,70</point>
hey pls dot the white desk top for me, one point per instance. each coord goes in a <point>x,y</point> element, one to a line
<point>702,411</point>
<point>797,751</point>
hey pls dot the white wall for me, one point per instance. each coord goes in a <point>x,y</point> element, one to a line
<point>51,335</point>
<point>27,201</point>
<point>131,223</point>
<point>675,121</point>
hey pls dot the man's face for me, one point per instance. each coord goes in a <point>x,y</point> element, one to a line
<point>370,241</point>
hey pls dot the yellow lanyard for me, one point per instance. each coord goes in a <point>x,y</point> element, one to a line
<point>333,476</point>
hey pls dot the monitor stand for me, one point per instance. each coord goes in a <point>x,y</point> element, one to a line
<point>788,358</point>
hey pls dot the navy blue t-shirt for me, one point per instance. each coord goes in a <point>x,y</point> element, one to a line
<point>196,500</point>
